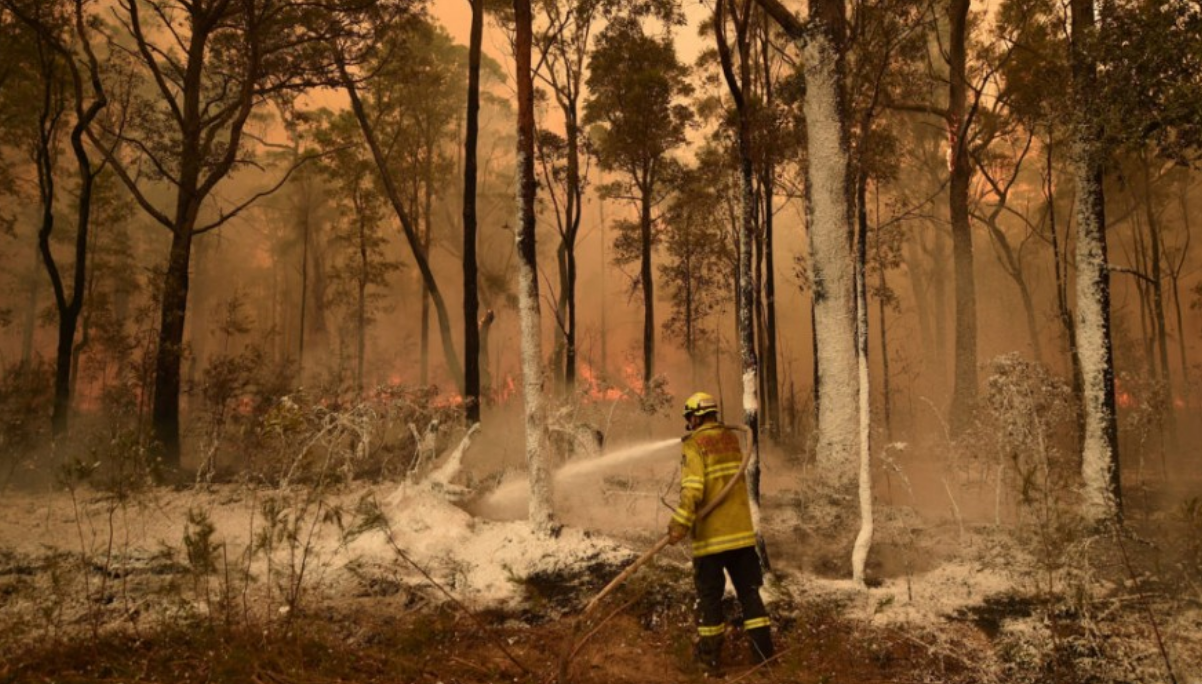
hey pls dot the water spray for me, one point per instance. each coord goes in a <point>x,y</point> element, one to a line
<point>584,467</point>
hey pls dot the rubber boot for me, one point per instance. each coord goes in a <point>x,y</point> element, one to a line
<point>761,644</point>
<point>708,653</point>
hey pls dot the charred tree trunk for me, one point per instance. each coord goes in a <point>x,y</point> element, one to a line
<point>68,307</point>
<point>1156,285</point>
<point>32,296</point>
<point>423,220</point>
<point>306,222</point>
<point>532,364</point>
<point>172,313</point>
<point>886,388</point>
<point>647,282</point>
<point>1100,459</point>
<point>471,295</point>
<point>964,386</point>
<point>361,293</point>
<point>771,358</point>
<point>575,212</point>
<point>1175,273</point>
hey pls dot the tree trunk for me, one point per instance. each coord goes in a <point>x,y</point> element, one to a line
<point>485,368</point>
<point>304,286</point>
<point>1176,276</point>
<point>575,212</point>
<point>471,296</point>
<point>68,307</point>
<point>425,292</point>
<point>964,387</point>
<point>31,308</point>
<point>603,371</point>
<point>361,303</point>
<point>532,363</point>
<point>771,358</point>
<point>1062,309</point>
<point>768,186</point>
<point>174,307</point>
<point>863,543</point>
<point>829,226</point>
<point>1162,345</point>
<point>886,389</point>
<point>1100,459</point>
<point>648,287</point>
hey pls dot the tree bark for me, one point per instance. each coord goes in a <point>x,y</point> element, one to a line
<point>768,185</point>
<point>172,314</point>
<point>829,225</point>
<point>648,284</point>
<point>471,295</point>
<point>1157,283</point>
<point>1100,458</point>
<point>1063,311</point>
<point>964,387</point>
<point>68,307</point>
<point>863,543</point>
<point>541,517</point>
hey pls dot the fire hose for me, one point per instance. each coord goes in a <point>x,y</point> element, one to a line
<point>574,645</point>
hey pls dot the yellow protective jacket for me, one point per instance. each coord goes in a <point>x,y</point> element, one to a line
<point>711,455</point>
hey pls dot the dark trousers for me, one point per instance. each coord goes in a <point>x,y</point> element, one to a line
<point>709,575</point>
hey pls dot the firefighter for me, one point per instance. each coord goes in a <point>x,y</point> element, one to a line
<point>722,541</point>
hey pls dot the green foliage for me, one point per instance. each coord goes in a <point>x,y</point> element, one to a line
<point>1150,88</point>
<point>636,84</point>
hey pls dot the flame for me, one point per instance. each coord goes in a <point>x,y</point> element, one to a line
<point>505,391</point>
<point>447,401</point>
<point>1124,399</point>
<point>595,389</point>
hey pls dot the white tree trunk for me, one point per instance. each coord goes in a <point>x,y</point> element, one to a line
<point>859,553</point>
<point>528,305</point>
<point>829,226</point>
<point>1099,446</point>
<point>1099,455</point>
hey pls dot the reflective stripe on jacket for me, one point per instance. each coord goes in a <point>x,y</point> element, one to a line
<point>711,455</point>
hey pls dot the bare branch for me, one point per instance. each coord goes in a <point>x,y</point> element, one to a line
<point>226,217</point>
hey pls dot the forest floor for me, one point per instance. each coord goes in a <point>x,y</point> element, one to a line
<point>388,583</point>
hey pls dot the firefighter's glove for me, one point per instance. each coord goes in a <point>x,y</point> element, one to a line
<point>676,532</point>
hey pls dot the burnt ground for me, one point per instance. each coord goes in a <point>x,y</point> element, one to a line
<point>390,632</point>
<point>948,602</point>
<point>370,640</point>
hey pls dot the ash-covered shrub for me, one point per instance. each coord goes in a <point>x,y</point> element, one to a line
<point>1024,435</point>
